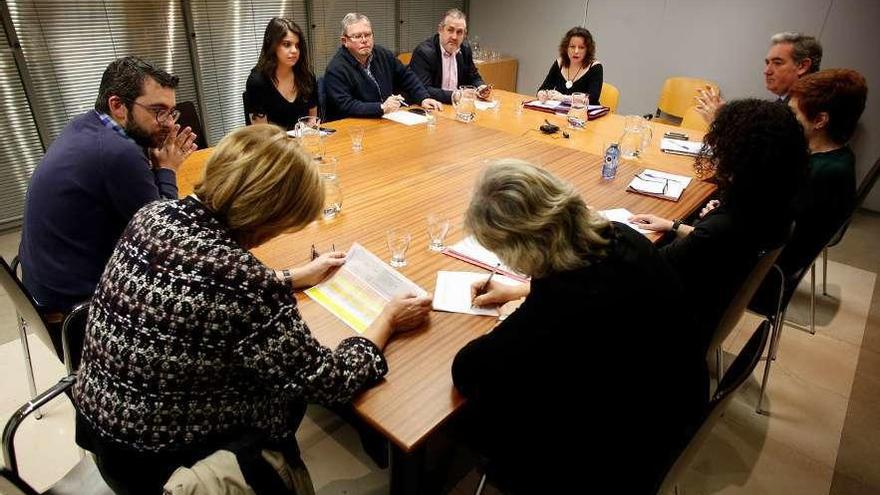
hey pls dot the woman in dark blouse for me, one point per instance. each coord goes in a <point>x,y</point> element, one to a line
<point>193,345</point>
<point>576,70</point>
<point>282,88</point>
<point>756,153</point>
<point>597,357</point>
<point>828,104</point>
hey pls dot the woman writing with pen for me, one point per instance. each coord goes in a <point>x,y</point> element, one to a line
<point>599,291</point>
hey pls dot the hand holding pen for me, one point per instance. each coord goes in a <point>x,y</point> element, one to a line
<point>393,103</point>
<point>476,292</point>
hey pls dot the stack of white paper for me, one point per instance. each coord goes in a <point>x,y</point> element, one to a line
<point>406,118</point>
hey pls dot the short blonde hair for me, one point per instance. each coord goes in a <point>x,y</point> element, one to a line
<point>536,223</point>
<point>261,183</point>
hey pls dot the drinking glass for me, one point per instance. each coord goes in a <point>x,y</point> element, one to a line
<point>357,138</point>
<point>398,242</point>
<point>438,227</point>
<point>577,115</point>
<point>431,119</point>
<point>328,168</point>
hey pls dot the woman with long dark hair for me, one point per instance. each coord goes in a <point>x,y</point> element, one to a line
<point>755,151</point>
<point>576,70</point>
<point>282,88</point>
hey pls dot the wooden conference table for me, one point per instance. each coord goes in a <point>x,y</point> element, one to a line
<point>407,172</point>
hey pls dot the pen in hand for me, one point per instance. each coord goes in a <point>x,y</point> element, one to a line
<point>483,288</point>
<point>401,100</point>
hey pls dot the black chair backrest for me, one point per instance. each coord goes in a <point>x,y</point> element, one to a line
<point>740,301</point>
<point>737,374</point>
<point>73,335</point>
<point>862,193</point>
<point>189,117</point>
<point>25,305</point>
<point>244,104</point>
<point>11,484</point>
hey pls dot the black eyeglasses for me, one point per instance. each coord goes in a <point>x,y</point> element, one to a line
<point>163,116</point>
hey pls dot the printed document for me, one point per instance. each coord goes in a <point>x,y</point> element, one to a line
<point>361,287</point>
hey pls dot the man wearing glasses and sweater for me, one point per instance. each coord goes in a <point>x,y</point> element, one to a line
<point>103,167</point>
<point>366,80</point>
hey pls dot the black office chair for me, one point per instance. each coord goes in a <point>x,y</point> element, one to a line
<point>189,117</point>
<point>740,371</point>
<point>11,484</point>
<point>862,193</point>
<point>84,477</point>
<point>734,311</point>
<point>29,317</point>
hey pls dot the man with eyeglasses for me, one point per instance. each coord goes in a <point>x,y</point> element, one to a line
<point>445,61</point>
<point>367,80</point>
<point>103,167</point>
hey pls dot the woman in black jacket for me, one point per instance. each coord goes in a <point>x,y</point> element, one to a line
<point>756,153</point>
<point>598,356</point>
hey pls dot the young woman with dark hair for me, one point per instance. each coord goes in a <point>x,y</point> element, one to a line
<point>282,88</point>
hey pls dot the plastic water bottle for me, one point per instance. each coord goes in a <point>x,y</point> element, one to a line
<point>612,159</point>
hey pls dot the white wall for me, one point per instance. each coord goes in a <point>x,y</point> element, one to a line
<point>642,42</point>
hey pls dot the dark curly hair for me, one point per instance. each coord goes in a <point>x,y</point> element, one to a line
<point>589,57</point>
<point>275,32</point>
<point>756,152</point>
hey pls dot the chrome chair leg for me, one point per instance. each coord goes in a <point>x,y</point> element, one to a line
<point>481,485</point>
<point>813,300</point>
<point>28,364</point>
<point>771,356</point>
<point>824,272</point>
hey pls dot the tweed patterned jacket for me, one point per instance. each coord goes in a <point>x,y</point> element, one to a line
<point>191,339</point>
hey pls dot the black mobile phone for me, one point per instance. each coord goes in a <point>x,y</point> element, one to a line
<point>420,111</point>
<point>328,130</point>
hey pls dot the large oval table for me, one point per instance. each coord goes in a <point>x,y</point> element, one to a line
<point>406,172</point>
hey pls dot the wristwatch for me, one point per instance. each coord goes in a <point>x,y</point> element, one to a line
<point>676,223</point>
<point>287,276</point>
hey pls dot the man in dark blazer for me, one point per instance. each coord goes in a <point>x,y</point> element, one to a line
<point>444,61</point>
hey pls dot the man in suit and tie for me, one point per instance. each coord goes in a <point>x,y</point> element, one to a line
<point>790,57</point>
<point>445,61</point>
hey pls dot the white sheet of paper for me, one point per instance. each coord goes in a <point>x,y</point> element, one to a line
<point>622,215</point>
<point>453,292</point>
<point>485,105</point>
<point>406,118</point>
<point>679,146</point>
